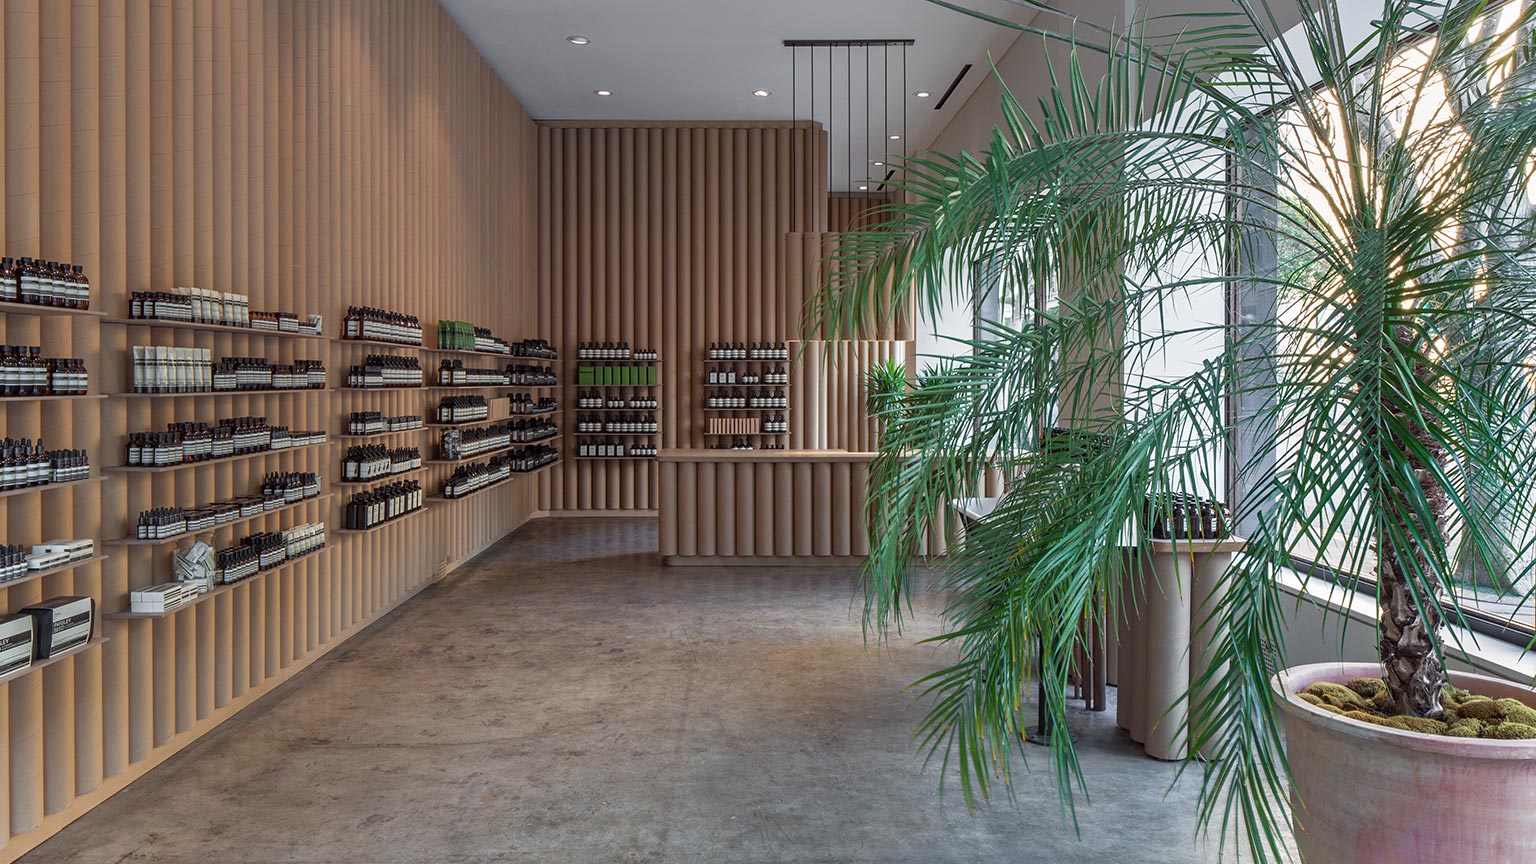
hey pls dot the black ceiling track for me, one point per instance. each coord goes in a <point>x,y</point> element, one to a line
<point>845,43</point>
<point>964,71</point>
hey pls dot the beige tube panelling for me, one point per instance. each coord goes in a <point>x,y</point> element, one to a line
<point>312,155</point>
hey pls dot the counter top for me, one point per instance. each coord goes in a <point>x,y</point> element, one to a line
<point>706,455</point>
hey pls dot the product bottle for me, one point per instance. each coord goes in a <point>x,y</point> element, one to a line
<point>10,290</point>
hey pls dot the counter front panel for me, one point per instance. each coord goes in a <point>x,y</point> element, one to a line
<point>750,507</point>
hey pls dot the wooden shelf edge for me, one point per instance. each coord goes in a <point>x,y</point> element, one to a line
<point>95,642</point>
<point>382,525</point>
<point>350,437</point>
<point>516,475</point>
<point>134,541</point>
<point>222,589</point>
<point>140,469</point>
<point>489,453</point>
<point>14,308</point>
<point>379,389</point>
<point>48,487</point>
<point>78,396</point>
<point>286,391</point>
<point>53,571</point>
<point>344,340</point>
<point>214,328</point>
<point>384,479</point>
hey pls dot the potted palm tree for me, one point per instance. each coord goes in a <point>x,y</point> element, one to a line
<point>1298,279</point>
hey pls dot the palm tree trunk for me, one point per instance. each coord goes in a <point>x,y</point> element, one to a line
<point>1414,673</point>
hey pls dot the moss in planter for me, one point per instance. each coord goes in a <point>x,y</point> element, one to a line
<point>1336,695</point>
<point>1466,715</point>
<point>1481,709</point>
<point>1369,688</point>
<point>1508,731</point>
<point>1465,728</point>
<point>1516,711</point>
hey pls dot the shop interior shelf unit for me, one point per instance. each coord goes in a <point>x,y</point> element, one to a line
<point>516,475</point>
<point>386,524</point>
<point>244,520</point>
<point>742,366</point>
<point>374,436</point>
<point>216,328</point>
<point>222,589</point>
<point>43,664</point>
<point>13,308</point>
<point>227,460</point>
<point>575,387</point>
<point>51,487</point>
<point>53,571</point>
<point>383,478</point>
<point>78,397</point>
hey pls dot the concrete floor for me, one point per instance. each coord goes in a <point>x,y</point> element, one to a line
<point>567,699</point>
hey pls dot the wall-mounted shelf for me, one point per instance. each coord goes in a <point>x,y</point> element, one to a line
<point>40,664</point>
<point>222,589</point>
<point>77,397</point>
<point>555,410</point>
<point>616,458</point>
<point>11,308</point>
<point>618,362</point>
<point>479,386</point>
<point>161,469</point>
<point>49,487</point>
<point>481,353</point>
<point>287,391</point>
<point>52,571</point>
<point>381,389</point>
<point>134,541</point>
<point>486,454</point>
<point>745,415</point>
<point>372,435</point>
<point>617,434</point>
<point>383,478</point>
<point>382,525</point>
<point>215,328</point>
<point>461,424</point>
<point>617,410</point>
<point>385,342</point>
<point>443,499</point>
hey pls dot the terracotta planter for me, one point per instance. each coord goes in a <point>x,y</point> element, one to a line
<point>1363,793</point>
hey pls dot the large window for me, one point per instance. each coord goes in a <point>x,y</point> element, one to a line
<point>1502,597</point>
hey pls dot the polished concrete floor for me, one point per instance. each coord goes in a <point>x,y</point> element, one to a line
<point>566,699</point>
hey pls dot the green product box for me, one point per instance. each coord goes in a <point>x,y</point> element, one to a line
<point>584,375</point>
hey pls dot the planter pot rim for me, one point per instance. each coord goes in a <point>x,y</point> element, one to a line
<point>1296,678</point>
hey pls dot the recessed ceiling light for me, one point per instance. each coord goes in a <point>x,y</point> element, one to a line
<point>578,40</point>
<point>895,137</point>
<point>922,94</point>
<point>877,163</point>
<point>762,94</point>
<point>603,92</point>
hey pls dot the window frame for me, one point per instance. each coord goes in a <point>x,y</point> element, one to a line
<point>1481,623</point>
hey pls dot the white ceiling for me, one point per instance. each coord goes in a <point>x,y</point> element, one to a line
<point>702,59</point>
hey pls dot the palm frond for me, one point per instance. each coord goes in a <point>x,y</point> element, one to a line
<point>1371,195</point>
